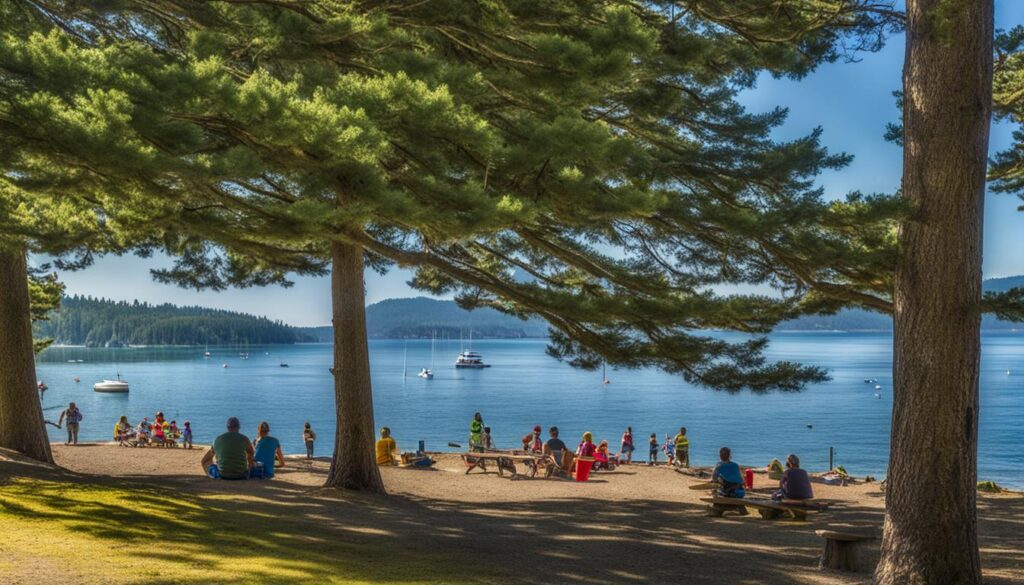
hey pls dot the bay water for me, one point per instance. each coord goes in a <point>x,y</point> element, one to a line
<point>524,387</point>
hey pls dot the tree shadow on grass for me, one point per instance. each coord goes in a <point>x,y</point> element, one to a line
<point>277,531</point>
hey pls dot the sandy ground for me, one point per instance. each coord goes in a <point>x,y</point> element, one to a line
<point>637,524</point>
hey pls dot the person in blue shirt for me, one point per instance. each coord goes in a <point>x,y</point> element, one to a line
<point>728,474</point>
<point>267,450</point>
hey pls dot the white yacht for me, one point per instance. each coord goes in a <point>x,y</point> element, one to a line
<point>426,373</point>
<point>117,385</point>
<point>470,359</point>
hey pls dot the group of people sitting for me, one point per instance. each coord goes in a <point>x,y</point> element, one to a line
<point>160,432</point>
<point>794,485</point>
<point>234,456</point>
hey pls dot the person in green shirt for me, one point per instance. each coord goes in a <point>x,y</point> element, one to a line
<point>233,453</point>
<point>682,449</point>
<point>476,433</point>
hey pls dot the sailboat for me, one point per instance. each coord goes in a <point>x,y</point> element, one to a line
<point>405,360</point>
<point>206,354</point>
<point>604,375</point>
<point>428,373</point>
<point>116,386</point>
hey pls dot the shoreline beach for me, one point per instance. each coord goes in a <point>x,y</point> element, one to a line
<point>635,524</point>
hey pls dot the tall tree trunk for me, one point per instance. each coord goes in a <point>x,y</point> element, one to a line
<point>354,465</point>
<point>21,416</point>
<point>930,525</point>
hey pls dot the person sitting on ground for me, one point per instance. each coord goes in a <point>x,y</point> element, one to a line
<point>586,448</point>
<point>186,435</point>
<point>266,451</point>
<point>795,484</point>
<point>122,431</point>
<point>727,473</point>
<point>488,443</point>
<point>532,442</point>
<point>476,433</point>
<point>604,459</point>
<point>159,437</point>
<point>386,448</point>
<point>232,452</point>
<point>142,431</point>
<point>652,450</point>
<point>556,449</point>
<point>682,449</point>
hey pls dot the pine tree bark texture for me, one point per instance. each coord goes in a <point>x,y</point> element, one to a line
<point>930,534</point>
<point>21,416</point>
<point>354,465</point>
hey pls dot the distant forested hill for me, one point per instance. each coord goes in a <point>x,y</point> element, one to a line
<point>422,317</point>
<point>103,323</point>
<point>861,320</point>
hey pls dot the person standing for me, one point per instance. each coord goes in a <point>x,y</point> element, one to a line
<point>476,433</point>
<point>682,449</point>
<point>309,437</point>
<point>652,450</point>
<point>74,417</point>
<point>626,448</point>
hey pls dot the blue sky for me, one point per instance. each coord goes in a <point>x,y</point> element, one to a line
<point>852,102</point>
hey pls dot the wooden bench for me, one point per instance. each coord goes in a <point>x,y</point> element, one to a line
<point>504,462</point>
<point>842,550</point>
<point>768,509</point>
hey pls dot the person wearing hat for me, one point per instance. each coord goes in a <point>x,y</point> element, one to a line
<point>795,484</point>
<point>532,442</point>
<point>233,454</point>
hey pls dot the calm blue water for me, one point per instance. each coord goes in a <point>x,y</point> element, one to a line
<point>525,387</point>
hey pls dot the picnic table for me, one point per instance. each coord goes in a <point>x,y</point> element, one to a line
<point>506,461</point>
<point>768,509</point>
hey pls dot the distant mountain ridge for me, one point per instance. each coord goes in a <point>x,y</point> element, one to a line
<point>422,317</point>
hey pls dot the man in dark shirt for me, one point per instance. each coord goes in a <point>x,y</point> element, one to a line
<point>557,449</point>
<point>795,484</point>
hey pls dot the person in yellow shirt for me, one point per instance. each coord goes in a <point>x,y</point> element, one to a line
<point>386,448</point>
<point>682,449</point>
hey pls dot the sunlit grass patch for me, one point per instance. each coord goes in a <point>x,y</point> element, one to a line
<point>95,533</point>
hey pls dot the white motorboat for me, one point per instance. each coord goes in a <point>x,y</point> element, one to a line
<point>426,373</point>
<point>117,385</point>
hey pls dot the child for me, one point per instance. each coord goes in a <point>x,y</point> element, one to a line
<point>186,435</point>
<point>652,451</point>
<point>669,448</point>
<point>488,443</point>
<point>308,437</point>
<point>158,433</point>
<point>173,432</point>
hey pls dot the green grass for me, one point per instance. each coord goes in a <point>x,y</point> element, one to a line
<point>55,530</point>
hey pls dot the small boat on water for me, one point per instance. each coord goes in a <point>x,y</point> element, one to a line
<point>426,373</point>
<point>114,386</point>
<point>470,359</point>
<point>284,365</point>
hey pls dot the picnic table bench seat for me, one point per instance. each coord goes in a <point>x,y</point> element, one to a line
<point>768,509</point>
<point>504,462</point>
<point>843,550</point>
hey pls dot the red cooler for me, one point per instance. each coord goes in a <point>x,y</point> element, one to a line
<point>583,467</point>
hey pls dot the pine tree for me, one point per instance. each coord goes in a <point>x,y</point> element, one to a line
<point>596,148</point>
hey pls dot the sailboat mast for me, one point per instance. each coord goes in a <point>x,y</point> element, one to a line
<point>405,360</point>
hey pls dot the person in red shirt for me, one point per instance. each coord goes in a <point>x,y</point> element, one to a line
<point>532,442</point>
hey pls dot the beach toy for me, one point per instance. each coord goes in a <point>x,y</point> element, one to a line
<point>750,479</point>
<point>583,467</point>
